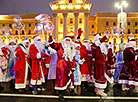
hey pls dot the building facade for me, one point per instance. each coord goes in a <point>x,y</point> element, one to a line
<point>67,17</point>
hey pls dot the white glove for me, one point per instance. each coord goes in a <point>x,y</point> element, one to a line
<point>81,61</point>
<point>52,51</point>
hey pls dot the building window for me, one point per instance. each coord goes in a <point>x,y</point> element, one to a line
<point>136,31</point>
<point>80,21</point>
<point>29,24</point>
<point>136,23</point>
<point>70,1</point>
<point>30,40</point>
<point>29,32</point>
<point>16,40</point>
<point>10,25</point>
<point>3,25</point>
<point>71,29</point>
<point>61,21</point>
<point>92,26</point>
<point>71,21</point>
<point>16,32</point>
<point>92,32</point>
<point>114,23</point>
<point>3,40</point>
<point>128,31</point>
<point>22,31</point>
<point>107,23</point>
<point>128,23</point>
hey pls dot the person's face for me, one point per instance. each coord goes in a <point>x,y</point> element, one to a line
<point>121,49</point>
<point>86,42</point>
<point>68,40</point>
<point>27,44</point>
<point>77,48</point>
<point>12,43</point>
<point>39,40</point>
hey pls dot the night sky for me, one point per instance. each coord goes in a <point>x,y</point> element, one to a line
<point>42,6</point>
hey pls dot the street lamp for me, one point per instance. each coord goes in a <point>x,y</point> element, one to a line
<point>122,16</point>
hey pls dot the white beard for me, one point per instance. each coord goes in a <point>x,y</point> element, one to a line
<point>88,46</point>
<point>12,47</point>
<point>40,46</point>
<point>103,49</point>
<point>69,51</point>
<point>27,50</point>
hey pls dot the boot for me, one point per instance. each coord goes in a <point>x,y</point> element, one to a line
<point>136,88</point>
<point>124,88</point>
<point>61,98</point>
<point>1,88</point>
<point>101,93</point>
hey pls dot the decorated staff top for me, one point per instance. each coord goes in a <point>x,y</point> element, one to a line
<point>5,30</point>
<point>18,24</point>
<point>43,19</point>
<point>17,19</point>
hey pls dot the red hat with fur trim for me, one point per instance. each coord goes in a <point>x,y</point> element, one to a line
<point>85,40</point>
<point>97,36</point>
<point>25,41</point>
<point>36,37</point>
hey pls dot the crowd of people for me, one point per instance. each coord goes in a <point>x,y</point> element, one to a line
<point>69,64</point>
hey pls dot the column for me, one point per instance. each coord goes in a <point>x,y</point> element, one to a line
<point>65,25</point>
<point>86,25</point>
<point>55,24</point>
<point>76,23</point>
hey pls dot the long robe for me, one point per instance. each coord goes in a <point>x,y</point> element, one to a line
<point>84,68</point>
<point>4,75</point>
<point>37,74</point>
<point>64,69</point>
<point>129,73</point>
<point>21,68</point>
<point>99,67</point>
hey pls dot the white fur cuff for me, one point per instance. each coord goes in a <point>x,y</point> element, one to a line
<point>38,55</point>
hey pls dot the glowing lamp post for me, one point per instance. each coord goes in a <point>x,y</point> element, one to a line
<point>122,16</point>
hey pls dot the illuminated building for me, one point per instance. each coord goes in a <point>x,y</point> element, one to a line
<point>68,16</point>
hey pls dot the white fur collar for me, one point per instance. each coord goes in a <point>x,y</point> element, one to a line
<point>37,47</point>
<point>24,50</point>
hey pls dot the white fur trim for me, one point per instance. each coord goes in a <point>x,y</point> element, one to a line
<point>51,41</point>
<point>103,48</point>
<point>111,80</point>
<point>136,57</point>
<point>65,87</point>
<point>123,81</point>
<point>34,82</point>
<point>86,40</point>
<point>133,83</point>
<point>20,86</point>
<point>47,65</point>
<point>77,45</point>
<point>52,51</point>
<point>97,43</point>
<point>85,77</point>
<point>23,49</point>
<point>132,44</point>
<point>128,82</point>
<point>38,55</point>
<point>12,41</point>
<point>68,39</point>
<point>101,86</point>
<point>36,38</point>
<point>73,68</point>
